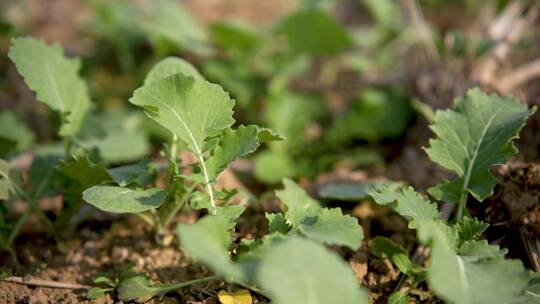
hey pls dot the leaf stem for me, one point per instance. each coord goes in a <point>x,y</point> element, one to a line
<point>208,186</point>
<point>166,288</point>
<point>462,204</point>
<point>146,219</point>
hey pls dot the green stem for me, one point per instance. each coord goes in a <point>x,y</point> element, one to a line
<point>34,206</point>
<point>208,186</point>
<point>462,204</point>
<point>146,219</point>
<point>254,289</point>
<point>187,283</point>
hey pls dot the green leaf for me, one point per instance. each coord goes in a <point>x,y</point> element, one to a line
<point>138,287</point>
<point>290,277</point>
<point>347,191</point>
<point>194,110</point>
<point>386,248</point>
<point>84,171</point>
<point>208,241</point>
<point>124,200</point>
<point>532,294</point>
<point>297,203</point>
<point>10,180</point>
<point>43,172</point>
<point>230,214</point>
<point>470,229</point>
<point>315,32</point>
<point>169,22</point>
<point>407,203</point>
<point>234,144</point>
<point>475,135</point>
<point>473,278</point>
<point>14,130</point>
<point>54,78</point>
<point>96,292</point>
<point>331,227</point>
<point>277,223</point>
<point>235,35</point>
<point>170,66</point>
<point>135,173</point>
<point>267,135</point>
<point>398,297</point>
<point>328,226</point>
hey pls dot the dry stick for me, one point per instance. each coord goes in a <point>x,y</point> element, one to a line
<point>44,283</point>
<point>519,76</point>
<point>421,26</point>
<point>485,72</point>
<point>532,246</point>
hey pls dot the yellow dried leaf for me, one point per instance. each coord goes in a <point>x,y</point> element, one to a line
<point>241,296</point>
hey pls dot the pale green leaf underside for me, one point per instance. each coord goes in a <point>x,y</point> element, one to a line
<point>124,200</point>
<point>300,271</point>
<point>170,66</point>
<point>407,203</point>
<point>54,78</point>
<point>191,109</point>
<point>208,241</point>
<point>473,136</point>
<point>467,279</point>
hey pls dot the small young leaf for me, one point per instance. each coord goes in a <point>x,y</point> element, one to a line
<point>328,226</point>
<point>83,170</point>
<point>290,277</point>
<point>138,287</point>
<point>407,203</point>
<point>124,200</point>
<point>96,292</point>
<point>54,78</point>
<point>128,174</point>
<point>234,144</point>
<point>398,297</point>
<point>170,66</point>
<point>277,223</point>
<point>473,136</point>
<point>192,109</point>
<point>469,229</point>
<point>208,241</point>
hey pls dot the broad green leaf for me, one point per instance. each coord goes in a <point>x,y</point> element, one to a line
<point>96,292</point>
<point>348,191</point>
<point>128,174</point>
<point>15,130</point>
<point>124,200</point>
<point>407,203</point>
<point>208,241</point>
<point>324,225</point>
<point>170,66</point>
<point>532,294</point>
<point>54,78</point>
<point>315,32</point>
<point>81,169</point>
<point>301,271</point>
<point>475,135</point>
<point>480,250</point>
<point>234,144</point>
<point>192,109</point>
<point>481,276</point>
<point>230,214</point>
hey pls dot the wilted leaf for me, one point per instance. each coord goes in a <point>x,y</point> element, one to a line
<point>241,296</point>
